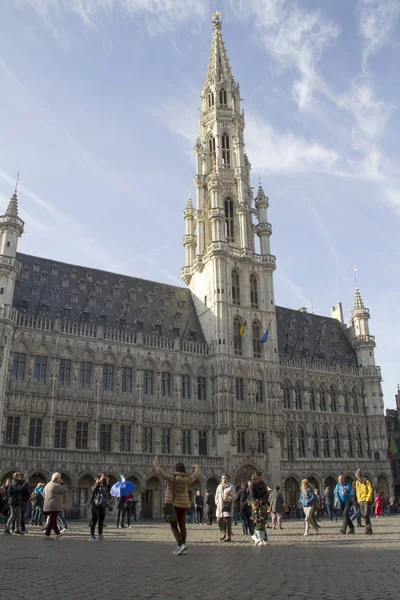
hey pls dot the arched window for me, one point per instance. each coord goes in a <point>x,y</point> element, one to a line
<point>235,288</point>
<point>302,443</point>
<point>333,399</point>
<point>229,220</point>
<point>290,443</point>
<point>298,397</point>
<point>223,100</point>
<point>210,99</point>
<point>322,398</point>
<point>359,448</point>
<point>213,156</point>
<point>253,291</point>
<point>226,153</point>
<point>256,340</point>
<point>315,441</point>
<point>312,397</point>
<point>336,438</point>
<point>355,400</point>
<point>350,449</point>
<point>287,395</point>
<point>325,443</point>
<point>346,400</point>
<point>237,338</point>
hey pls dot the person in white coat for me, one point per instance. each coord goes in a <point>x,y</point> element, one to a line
<point>225,497</point>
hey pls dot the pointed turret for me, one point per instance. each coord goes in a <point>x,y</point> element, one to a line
<point>12,209</point>
<point>11,229</point>
<point>263,228</point>
<point>358,303</point>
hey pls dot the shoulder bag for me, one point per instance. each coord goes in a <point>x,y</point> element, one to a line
<point>169,511</point>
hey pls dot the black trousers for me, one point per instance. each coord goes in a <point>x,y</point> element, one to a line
<point>346,519</point>
<point>199,515</point>
<point>210,515</point>
<point>225,525</point>
<point>98,515</point>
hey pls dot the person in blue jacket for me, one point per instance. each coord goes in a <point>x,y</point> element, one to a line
<point>308,500</point>
<point>345,493</point>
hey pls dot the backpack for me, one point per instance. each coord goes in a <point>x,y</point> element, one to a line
<point>101,498</point>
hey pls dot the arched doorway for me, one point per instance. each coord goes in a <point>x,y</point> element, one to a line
<point>6,476</point>
<point>383,486</point>
<point>151,499</point>
<point>349,479</point>
<point>313,482</point>
<point>212,484</point>
<point>292,492</point>
<point>244,474</point>
<point>330,482</point>
<point>83,494</point>
<point>35,479</point>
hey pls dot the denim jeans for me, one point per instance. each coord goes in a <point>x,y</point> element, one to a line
<point>120,517</point>
<point>61,516</point>
<point>247,522</point>
<point>14,519</point>
<point>331,512</point>
<point>37,515</point>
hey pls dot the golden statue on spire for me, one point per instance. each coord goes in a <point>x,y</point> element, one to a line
<point>217,19</point>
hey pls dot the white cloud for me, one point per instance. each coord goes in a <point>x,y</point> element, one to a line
<point>160,15</point>
<point>370,114</point>
<point>285,152</point>
<point>377,21</point>
<point>295,38</point>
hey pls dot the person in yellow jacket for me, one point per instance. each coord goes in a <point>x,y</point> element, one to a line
<point>365,496</point>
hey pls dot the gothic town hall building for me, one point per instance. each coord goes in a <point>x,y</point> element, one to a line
<point>100,371</point>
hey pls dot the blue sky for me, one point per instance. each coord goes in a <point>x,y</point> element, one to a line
<point>99,107</point>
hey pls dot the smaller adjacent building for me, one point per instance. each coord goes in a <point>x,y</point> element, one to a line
<point>393,434</point>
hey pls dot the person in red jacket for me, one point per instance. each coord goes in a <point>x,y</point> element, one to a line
<point>379,505</point>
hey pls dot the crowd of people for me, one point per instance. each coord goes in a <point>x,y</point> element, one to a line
<point>254,503</point>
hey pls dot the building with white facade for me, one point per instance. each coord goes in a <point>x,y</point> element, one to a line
<point>99,371</point>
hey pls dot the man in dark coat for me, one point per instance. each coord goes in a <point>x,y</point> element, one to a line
<point>14,495</point>
<point>276,506</point>
<point>245,510</point>
<point>199,503</point>
<point>25,498</point>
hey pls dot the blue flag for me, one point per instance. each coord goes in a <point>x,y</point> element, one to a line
<point>265,337</point>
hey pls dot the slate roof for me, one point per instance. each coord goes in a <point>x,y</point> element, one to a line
<point>89,295</point>
<point>82,294</point>
<point>305,335</point>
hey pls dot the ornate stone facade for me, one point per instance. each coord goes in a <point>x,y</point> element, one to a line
<point>99,372</point>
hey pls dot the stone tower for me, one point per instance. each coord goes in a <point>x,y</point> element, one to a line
<point>11,229</point>
<point>364,345</point>
<point>229,273</point>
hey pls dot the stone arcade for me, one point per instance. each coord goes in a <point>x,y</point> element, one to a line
<point>100,371</point>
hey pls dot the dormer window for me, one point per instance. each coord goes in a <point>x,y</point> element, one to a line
<point>157,328</point>
<point>223,98</point>
<point>226,154</point>
<point>73,273</point>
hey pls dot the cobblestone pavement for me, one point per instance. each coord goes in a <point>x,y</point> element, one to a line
<point>138,563</point>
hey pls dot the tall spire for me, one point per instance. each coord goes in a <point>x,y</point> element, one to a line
<point>219,70</point>
<point>12,209</point>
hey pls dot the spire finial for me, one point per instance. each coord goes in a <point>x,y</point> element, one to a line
<point>354,275</point>
<point>259,180</point>
<point>16,183</point>
<point>217,20</point>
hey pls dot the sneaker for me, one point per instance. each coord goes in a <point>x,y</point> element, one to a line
<point>100,538</point>
<point>227,539</point>
<point>181,550</point>
<point>176,550</point>
<point>7,532</point>
<point>18,532</point>
<point>92,539</point>
<point>254,537</point>
<point>306,534</point>
<point>63,530</point>
<point>221,539</point>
